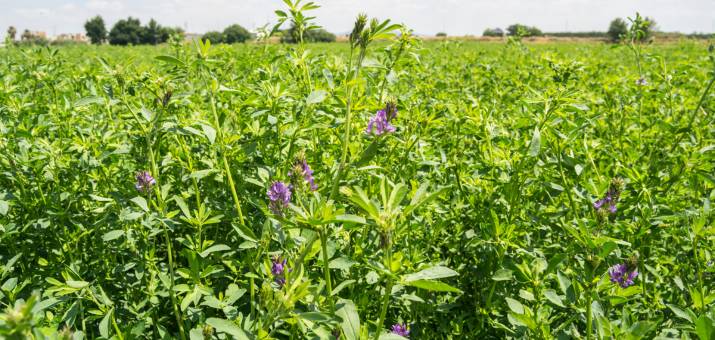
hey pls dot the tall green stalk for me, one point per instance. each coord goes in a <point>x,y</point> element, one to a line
<point>227,168</point>
<point>167,239</point>
<point>326,269</point>
<point>348,116</point>
<point>387,293</point>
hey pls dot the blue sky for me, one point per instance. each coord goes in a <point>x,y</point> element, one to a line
<point>456,17</point>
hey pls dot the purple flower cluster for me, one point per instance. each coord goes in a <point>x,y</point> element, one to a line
<point>612,195</point>
<point>144,181</point>
<point>279,195</point>
<point>303,169</point>
<point>623,274</point>
<point>401,330</point>
<point>380,123</point>
<point>610,199</point>
<point>278,269</point>
<point>641,81</point>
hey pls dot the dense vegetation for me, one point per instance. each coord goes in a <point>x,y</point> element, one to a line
<point>363,190</point>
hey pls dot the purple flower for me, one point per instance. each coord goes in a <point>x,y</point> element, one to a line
<point>279,195</point>
<point>641,81</point>
<point>609,200</point>
<point>302,168</point>
<point>278,266</point>
<point>144,181</point>
<point>623,275</point>
<point>612,195</point>
<point>380,123</point>
<point>401,330</point>
<point>278,269</point>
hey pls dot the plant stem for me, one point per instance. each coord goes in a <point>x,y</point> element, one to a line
<point>700,272</point>
<point>589,316</point>
<point>387,293</point>
<point>326,269</point>
<point>155,171</point>
<point>227,169</point>
<point>346,139</point>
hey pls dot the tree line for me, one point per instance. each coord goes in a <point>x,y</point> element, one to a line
<point>129,31</point>
<point>617,30</point>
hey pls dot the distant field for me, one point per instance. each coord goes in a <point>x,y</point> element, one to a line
<point>558,189</point>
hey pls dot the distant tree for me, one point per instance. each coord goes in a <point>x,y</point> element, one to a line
<point>493,32</point>
<point>96,31</point>
<point>319,35</point>
<point>165,33</point>
<point>215,37</point>
<point>26,35</point>
<point>126,31</point>
<point>441,34</point>
<point>151,34</point>
<point>235,34</point>
<point>315,35</point>
<point>11,33</point>
<point>617,29</point>
<point>649,28</point>
<point>523,31</point>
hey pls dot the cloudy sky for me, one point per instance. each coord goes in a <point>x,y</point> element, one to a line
<point>456,17</point>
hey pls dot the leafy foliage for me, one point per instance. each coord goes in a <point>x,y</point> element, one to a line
<point>96,31</point>
<point>133,189</point>
<point>520,30</point>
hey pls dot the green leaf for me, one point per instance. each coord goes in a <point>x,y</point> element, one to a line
<point>213,249</point>
<point>551,295</point>
<point>314,316</point>
<point>420,198</point>
<point>316,97</point>
<point>141,203</point>
<point>245,232</point>
<point>77,284</point>
<point>704,328</point>
<point>169,60</point>
<point>432,285</point>
<point>346,218</point>
<point>147,114</point>
<point>564,282</point>
<point>210,132</point>
<point>350,323</point>
<point>228,327</point>
<point>515,306</point>
<point>100,198</point>
<point>680,313</point>
<point>113,235</point>
<point>502,275</point>
<point>368,154</point>
<point>198,175</point>
<point>535,145</point>
<point>104,324</point>
<point>4,206</point>
<point>86,101</point>
<point>436,272</point>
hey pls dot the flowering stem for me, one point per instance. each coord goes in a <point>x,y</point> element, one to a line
<point>387,293</point>
<point>172,296</point>
<point>326,269</point>
<point>346,138</point>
